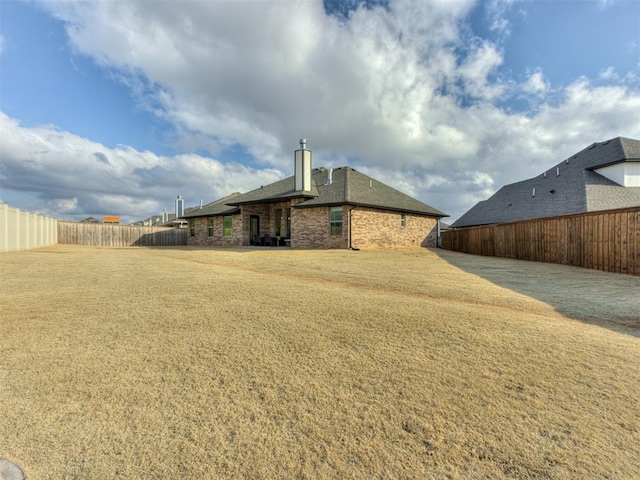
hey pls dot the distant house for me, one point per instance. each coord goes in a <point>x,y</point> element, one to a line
<point>90,220</point>
<point>603,176</point>
<point>113,219</point>
<point>164,220</point>
<point>316,208</point>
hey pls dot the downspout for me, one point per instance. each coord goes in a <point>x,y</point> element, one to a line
<point>351,247</point>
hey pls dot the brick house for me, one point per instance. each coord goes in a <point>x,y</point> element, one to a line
<point>316,208</point>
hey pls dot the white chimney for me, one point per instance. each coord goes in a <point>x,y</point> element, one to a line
<point>165,216</point>
<point>302,159</point>
<point>179,206</point>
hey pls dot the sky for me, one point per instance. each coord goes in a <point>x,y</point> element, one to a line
<point>117,107</point>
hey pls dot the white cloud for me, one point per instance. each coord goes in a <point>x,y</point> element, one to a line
<point>496,10</point>
<point>402,92</point>
<point>536,84</point>
<point>609,73</point>
<point>74,177</point>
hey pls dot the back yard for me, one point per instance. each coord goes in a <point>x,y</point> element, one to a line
<point>241,363</point>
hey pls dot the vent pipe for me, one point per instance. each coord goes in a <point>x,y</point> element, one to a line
<point>302,167</point>
<point>179,206</point>
<point>165,216</point>
<point>330,177</point>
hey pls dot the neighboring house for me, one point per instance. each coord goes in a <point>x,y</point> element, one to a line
<point>90,220</point>
<point>152,221</point>
<point>164,220</point>
<point>316,208</point>
<point>603,176</point>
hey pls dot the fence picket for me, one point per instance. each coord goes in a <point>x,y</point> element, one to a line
<point>107,235</point>
<point>607,240</point>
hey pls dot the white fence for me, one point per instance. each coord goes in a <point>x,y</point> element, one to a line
<point>23,230</point>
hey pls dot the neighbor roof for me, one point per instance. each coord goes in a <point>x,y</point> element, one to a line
<point>571,186</point>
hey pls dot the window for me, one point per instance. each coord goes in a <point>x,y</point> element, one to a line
<point>335,220</point>
<point>403,220</point>
<point>278,218</point>
<point>192,227</point>
<point>228,226</point>
<point>210,226</point>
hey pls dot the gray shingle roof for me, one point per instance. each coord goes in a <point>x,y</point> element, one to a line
<point>348,187</point>
<point>274,192</point>
<point>219,207</point>
<point>571,186</point>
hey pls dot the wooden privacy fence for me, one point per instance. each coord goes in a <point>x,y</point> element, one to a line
<point>607,240</point>
<point>107,235</point>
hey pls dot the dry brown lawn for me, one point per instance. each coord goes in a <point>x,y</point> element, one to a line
<point>178,363</point>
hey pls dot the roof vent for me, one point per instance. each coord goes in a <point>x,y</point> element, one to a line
<point>544,174</point>
<point>303,143</point>
<point>557,171</point>
<point>552,191</point>
<point>330,177</point>
<point>533,194</point>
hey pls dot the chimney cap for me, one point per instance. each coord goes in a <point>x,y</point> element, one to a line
<point>303,143</point>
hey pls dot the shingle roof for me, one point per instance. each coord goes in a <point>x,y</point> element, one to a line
<point>274,192</point>
<point>571,186</point>
<point>219,207</point>
<point>350,187</point>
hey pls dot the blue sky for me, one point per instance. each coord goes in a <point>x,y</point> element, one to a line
<point>117,107</point>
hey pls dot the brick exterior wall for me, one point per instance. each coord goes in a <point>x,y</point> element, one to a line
<point>263,212</point>
<point>379,228</point>
<point>310,228</point>
<point>202,238</point>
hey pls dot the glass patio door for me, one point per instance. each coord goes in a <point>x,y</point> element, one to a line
<point>254,230</point>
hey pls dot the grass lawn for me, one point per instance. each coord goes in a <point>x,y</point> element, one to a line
<point>174,363</point>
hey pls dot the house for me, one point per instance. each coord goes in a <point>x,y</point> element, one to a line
<point>603,176</point>
<point>113,219</point>
<point>167,219</point>
<point>316,208</point>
